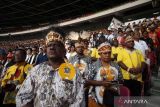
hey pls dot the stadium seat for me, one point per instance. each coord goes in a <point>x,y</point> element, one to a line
<point>124,91</point>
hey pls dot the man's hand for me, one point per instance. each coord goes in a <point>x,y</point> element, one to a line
<point>138,70</point>
<point>107,84</point>
<point>132,70</point>
<point>135,71</point>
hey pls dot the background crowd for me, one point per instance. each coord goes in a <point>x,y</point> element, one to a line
<point>145,35</point>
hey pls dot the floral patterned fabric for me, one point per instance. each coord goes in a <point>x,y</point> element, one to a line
<point>94,69</point>
<point>45,88</point>
<point>96,74</point>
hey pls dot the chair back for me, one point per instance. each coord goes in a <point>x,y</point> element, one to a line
<point>124,91</point>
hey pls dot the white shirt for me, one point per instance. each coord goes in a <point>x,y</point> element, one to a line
<point>47,89</point>
<point>28,58</point>
<point>141,46</point>
<point>33,56</point>
<point>106,36</point>
<point>110,37</point>
<point>69,55</point>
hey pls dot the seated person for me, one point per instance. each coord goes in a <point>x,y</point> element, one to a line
<point>104,72</point>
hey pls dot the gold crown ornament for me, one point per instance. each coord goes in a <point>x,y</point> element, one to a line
<point>53,36</point>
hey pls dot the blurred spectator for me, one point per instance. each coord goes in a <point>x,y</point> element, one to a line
<point>3,59</point>
<point>9,62</point>
<point>71,51</point>
<point>33,57</point>
<point>29,54</point>
<point>42,56</point>
<point>132,63</point>
<point>86,51</point>
<point>14,77</point>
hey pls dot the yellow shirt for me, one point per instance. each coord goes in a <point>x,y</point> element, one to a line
<point>119,49</point>
<point>15,74</point>
<point>131,60</point>
<point>19,76</point>
<point>94,53</point>
<point>116,50</point>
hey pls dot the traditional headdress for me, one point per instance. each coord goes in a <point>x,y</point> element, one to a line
<point>128,39</point>
<point>104,47</point>
<point>53,36</point>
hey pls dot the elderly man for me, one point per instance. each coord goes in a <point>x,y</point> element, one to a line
<point>132,63</point>
<point>103,72</point>
<point>53,83</point>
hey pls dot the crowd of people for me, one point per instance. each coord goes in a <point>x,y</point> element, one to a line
<point>58,72</point>
<point>13,44</point>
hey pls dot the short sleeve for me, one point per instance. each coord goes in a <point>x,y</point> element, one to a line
<point>114,50</point>
<point>142,57</point>
<point>145,45</point>
<point>120,56</point>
